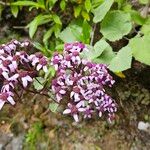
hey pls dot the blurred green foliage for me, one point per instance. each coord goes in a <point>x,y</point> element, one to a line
<point>83,20</point>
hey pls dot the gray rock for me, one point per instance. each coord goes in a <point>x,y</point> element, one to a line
<point>16,143</point>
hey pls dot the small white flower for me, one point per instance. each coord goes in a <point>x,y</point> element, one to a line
<point>25,80</point>
<point>1,104</point>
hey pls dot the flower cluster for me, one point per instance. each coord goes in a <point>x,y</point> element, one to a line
<point>17,68</point>
<point>82,84</point>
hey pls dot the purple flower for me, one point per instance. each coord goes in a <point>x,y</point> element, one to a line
<point>73,110</point>
<point>25,78</point>
<point>42,64</point>
<point>4,97</point>
<point>82,82</point>
<point>17,67</point>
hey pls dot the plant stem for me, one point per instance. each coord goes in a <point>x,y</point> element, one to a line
<point>4,3</point>
<point>92,35</point>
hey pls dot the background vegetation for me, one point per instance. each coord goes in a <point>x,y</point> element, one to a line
<point>117,32</point>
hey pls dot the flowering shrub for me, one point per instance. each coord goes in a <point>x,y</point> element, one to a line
<point>82,84</point>
<point>17,68</point>
<point>78,81</point>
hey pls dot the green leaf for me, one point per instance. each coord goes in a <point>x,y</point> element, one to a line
<point>137,18</point>
<point>28,3</point>
<point>70,34</point>
<point>100,53</point>
<point>85,15</point>
<point>59,47</point>
<point>53,107</point>
<point>50,73</point>
<point>122,61</point>
<point>39,20</point>
<point>86,31</point>
<point>120,3</point>
<point>88,5</point>
<point>57,29</point>
<point>77,10</point>
<point>106,56</point>
<point>144,1</point>
<point>56,19</point>
<point>62,4</point>
<point>101,11</point>
<point>115,25</point>
<point>14,10</point>
<point>146,28</point>
<point>141,48</point>
<point>41,2</point>
<point>38,83</point>
<point>47,35</point>
<point>77,33</point>
<point>40,47</point>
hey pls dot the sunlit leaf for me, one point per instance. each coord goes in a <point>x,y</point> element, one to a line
<point>14,10</point>
<point>143,1</point>
<point>38,83</point>
<point>77,10</point>
<point>88,5</point>
<point>145,29</point>
<point>28,3</point>
<point>101,11</point>
<point>53,107</point>
<point>37,21</point>
<point>141,48</point>
<point>56,19</point>
<point>122,61</point>
<point>120,74</point>
<point>115,25</point>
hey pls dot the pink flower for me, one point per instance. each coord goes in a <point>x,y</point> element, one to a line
<point>25,80</point>
<point>42,65</point>
<point>83,82</point>
<point>73,110</point>
<point>6,96</point>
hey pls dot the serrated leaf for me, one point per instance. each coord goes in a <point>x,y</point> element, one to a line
<point>145,29</point>
<point>106,56</point>
<point>14,10</point>
<point>137,18</point>
<point>101,11</point>
<point>53,107</point>
<point>70,33</point>
<point>38,83</point>
<point>141,48</point>
<point>100,53</point>
<point>115,25</point>
<point>88,5</point>
<point>122,61</point>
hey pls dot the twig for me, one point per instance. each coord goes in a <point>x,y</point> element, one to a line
<point>4,3</point>
<point>92,35</point>
<point>19,27</point>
